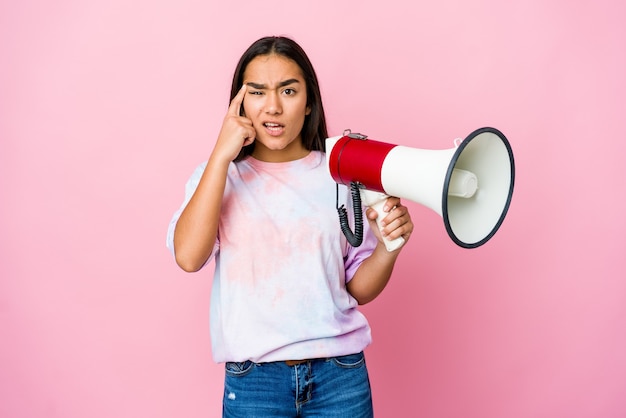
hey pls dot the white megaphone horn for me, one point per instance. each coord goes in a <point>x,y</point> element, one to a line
<point>469,185</point>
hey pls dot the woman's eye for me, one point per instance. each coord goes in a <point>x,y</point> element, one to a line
<point>289,92</point>
<point>256,93</point>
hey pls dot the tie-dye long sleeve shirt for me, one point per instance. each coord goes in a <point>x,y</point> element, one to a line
<point>282,264</point>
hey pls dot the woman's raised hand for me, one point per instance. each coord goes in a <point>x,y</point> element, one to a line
<point>237,130</point>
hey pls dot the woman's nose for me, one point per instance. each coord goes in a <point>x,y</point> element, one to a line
<point>272,104</point>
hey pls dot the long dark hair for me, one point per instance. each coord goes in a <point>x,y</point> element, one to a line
<point>314,131</point>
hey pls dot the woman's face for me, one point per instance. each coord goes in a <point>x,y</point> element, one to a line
<point>276,103</point>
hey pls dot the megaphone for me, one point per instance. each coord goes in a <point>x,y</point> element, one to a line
<point>470,185</point>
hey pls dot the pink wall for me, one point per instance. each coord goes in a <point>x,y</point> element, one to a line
<point>106,107</point>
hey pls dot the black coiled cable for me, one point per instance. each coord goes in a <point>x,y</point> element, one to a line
<point>354,238</point>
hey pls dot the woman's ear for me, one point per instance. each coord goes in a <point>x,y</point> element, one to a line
<point>307,112</point>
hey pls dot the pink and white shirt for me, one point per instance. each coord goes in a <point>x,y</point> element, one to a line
<point>282,264</point>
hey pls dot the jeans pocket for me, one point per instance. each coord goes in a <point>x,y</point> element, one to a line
<point>350,361</point>
<point>237,369</point>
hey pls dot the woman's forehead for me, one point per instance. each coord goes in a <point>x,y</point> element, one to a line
<point>272,69</point>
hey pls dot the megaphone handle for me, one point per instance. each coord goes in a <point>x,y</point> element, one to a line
<point>376,201</point>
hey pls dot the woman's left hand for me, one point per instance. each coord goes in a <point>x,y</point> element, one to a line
<point>397,223</point>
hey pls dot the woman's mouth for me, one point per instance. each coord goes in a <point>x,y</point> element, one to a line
<point>273,129</point>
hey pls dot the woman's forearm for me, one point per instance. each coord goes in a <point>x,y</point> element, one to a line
<point>196,229</point>
<point>372,275</point>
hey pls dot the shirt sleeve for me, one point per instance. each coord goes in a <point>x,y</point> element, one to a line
<point>190,189</point>
<point>356,255</point>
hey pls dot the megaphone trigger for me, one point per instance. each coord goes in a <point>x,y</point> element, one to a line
<point>376,201</point>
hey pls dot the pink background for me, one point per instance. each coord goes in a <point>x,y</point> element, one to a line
<point>107,106</point>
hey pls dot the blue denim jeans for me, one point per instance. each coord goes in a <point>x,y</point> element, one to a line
<point>336,387</point>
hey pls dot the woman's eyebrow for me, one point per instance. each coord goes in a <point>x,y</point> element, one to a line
<point>281,84</point>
